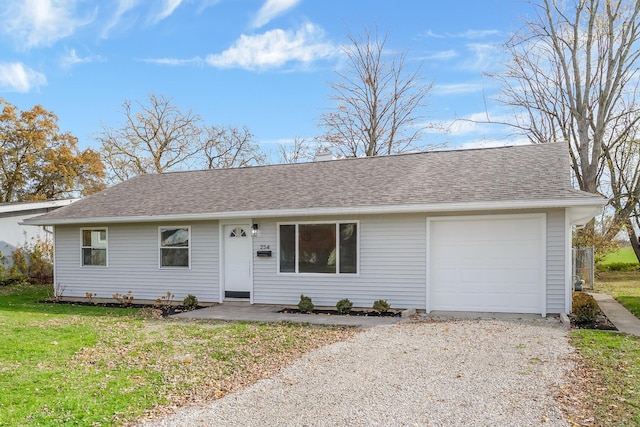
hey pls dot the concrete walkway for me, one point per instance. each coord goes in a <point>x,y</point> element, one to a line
<point>618,314</point>
<point>241,311</point>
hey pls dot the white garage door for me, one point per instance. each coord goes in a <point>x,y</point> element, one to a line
<point>487,264</point>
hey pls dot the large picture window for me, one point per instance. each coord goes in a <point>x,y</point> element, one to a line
<point>94,246</point>
<point>174,246</point>
<point>325,248</point>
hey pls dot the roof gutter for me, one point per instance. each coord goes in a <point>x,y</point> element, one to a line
<point>29,206</point>
<point>595,202</point>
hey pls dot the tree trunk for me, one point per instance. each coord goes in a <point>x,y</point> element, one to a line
<point>633,237</point>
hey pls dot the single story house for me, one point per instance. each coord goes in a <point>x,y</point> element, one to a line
<point>486,230</point>
<point>14,234</point>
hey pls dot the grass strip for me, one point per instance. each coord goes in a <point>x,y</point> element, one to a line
<point>94,366</point>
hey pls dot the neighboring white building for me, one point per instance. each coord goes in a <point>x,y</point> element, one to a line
<point>486,230</point>
<point>13,233</point>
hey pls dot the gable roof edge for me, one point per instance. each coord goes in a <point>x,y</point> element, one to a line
<point>595,202</point>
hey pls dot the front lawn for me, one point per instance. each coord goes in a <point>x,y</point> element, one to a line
<point>609,377</point>
<point>623,286</point>
<point>610,382</point>
<point>71,365</point>
<point>622,255</point>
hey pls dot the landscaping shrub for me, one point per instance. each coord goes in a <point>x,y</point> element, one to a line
<point>13,280</point>
<point>165,301</point>
<point>619,266</point>
<point>41,262</point>
<point>20,266</point>
<point>32,262</point>
<point>585,308</point>
<point>190,302</point>
<point>305,305</point>
<point>124,300</point>
<point>344,306</point>
<point>381,306</point>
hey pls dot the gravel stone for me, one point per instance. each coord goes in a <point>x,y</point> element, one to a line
<point>439,373</point>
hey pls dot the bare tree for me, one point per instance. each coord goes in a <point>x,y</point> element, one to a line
<point>573,76</point>
<point>379,101</point>
<point>297,151</point>
<point>623,173</point>
<point>230,147</point>
<point>155,137</point>
<point>159,137</point>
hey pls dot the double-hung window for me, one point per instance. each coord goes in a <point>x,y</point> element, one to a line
<point>94,246</point>
<point>175,246</point>
<point>325,248</point>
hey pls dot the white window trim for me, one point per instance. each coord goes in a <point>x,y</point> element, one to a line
<point>160,247</point>
<point>82,247</point>
<point>325,275</point>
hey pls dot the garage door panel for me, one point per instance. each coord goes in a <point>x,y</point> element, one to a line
<point>487,264</point>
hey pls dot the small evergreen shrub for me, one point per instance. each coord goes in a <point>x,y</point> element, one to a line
<point>305,305</point>
<point>585,308</point>
<point>381,306</point>
<point>344,306</point>
<point>190,302</point>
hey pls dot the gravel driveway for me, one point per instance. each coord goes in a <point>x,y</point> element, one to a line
<point>455,372</point>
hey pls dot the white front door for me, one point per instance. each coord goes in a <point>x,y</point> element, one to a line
<point>237,261</point>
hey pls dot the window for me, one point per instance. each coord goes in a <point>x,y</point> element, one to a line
<point>94,246</point>
<point>174,246</point>
<point>324,248</point>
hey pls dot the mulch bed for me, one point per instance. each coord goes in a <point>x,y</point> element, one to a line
<point>164,310</point>
<point>601,323</point>
<point>369,313</point>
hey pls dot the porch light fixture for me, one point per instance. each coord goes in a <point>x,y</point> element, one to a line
<point>254,230</point>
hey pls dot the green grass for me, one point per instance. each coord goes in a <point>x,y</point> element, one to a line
<point>623,286</point>
<point>91,366</point>
<point>625,255</point>
<point>614,358</point>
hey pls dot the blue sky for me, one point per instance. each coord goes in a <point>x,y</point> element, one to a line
<point>266,64</point>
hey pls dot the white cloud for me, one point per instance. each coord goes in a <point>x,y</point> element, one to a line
<point>468,34</point>
<point>483,57</point>
<point>173,61</point>
<point>489,143</point>
<point>205,4</point>
<point>123,7</point>
<point>168,7</point>
<point>476,124</point>
<point>275,48</point>
<point>443,55</point>
<point>457,88</point>
<point>16,77</point>
<point>270,9</point>
<point>34,23</point>
<point>430,33</point>
<point>477,34</point>
<point>71,58</point>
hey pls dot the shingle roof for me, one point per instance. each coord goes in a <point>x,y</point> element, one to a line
<point>508,174</point>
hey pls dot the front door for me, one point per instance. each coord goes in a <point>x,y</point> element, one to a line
<point>237,261</point>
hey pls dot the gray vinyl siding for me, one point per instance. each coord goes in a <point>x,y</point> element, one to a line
<point>133,263</point>
<point>392,263</point>
<point>391,266</point>
<point>556,262</point>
